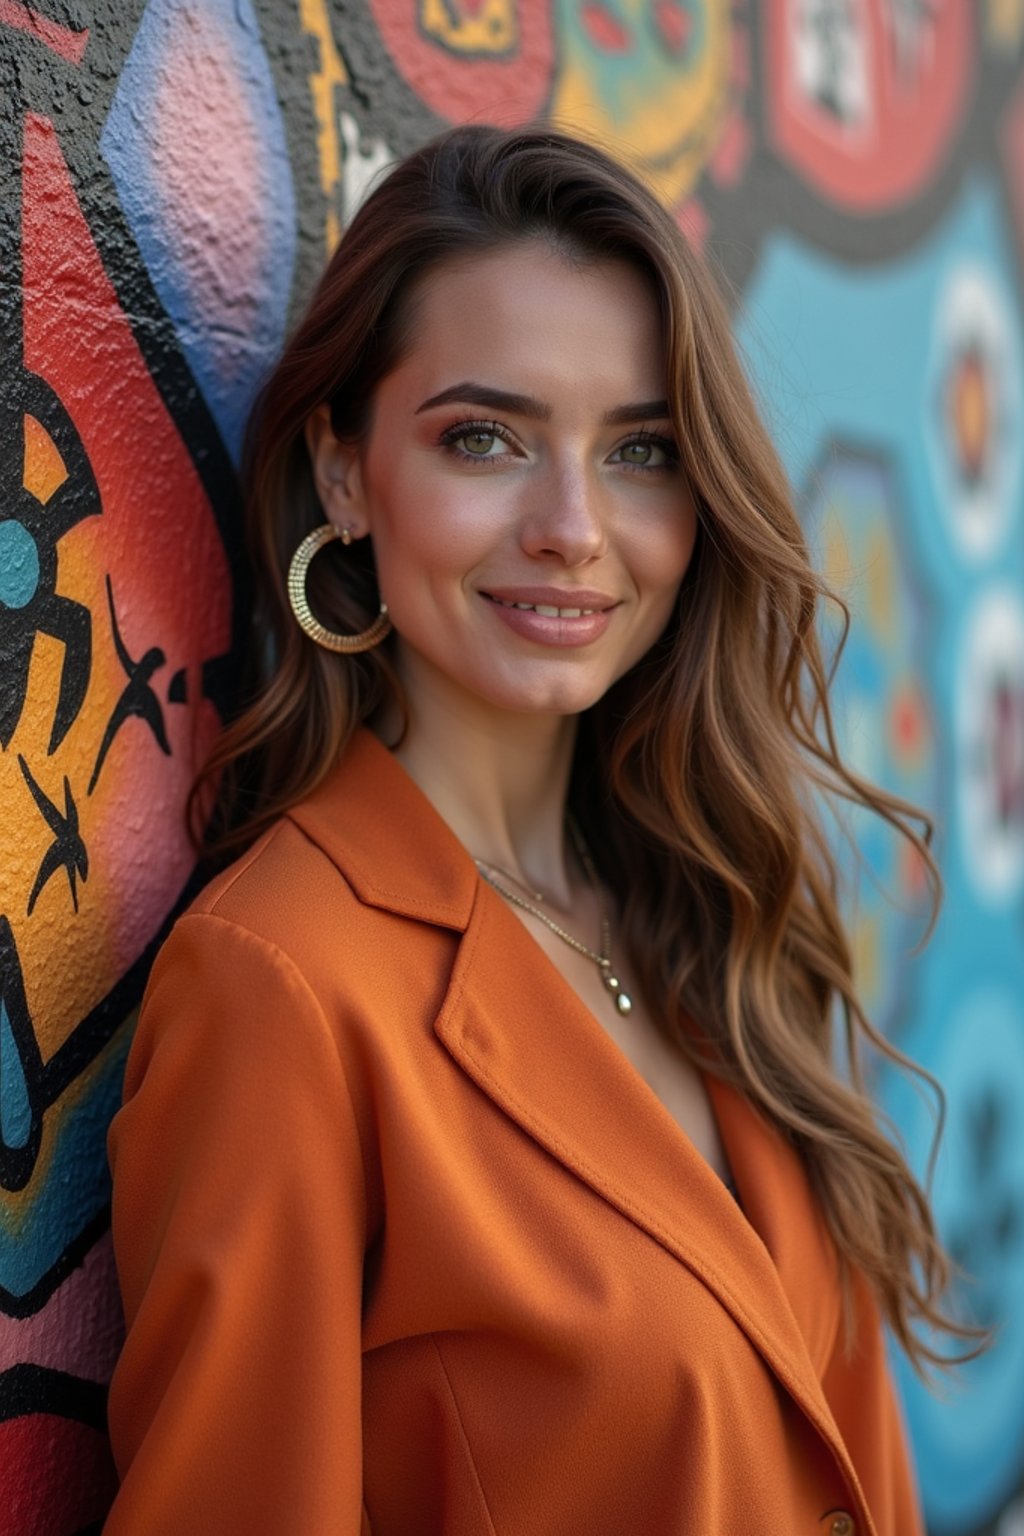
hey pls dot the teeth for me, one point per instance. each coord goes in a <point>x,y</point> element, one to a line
<point>546,610</point>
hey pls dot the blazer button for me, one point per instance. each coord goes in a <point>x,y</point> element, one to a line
<point>842,1525</point>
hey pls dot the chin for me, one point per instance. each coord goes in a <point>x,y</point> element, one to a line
<point>546,700</point>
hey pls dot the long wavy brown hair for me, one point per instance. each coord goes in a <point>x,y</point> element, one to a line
<point>698,776</point>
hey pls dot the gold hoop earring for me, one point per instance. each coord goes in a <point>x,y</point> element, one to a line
<point>307,621</point>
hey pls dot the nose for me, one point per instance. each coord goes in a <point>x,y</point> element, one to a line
<point>566,517</point>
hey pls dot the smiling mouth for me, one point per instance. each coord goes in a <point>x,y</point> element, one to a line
<point>546,610</point>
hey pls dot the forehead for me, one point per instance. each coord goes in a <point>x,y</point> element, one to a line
<point>527,317</point>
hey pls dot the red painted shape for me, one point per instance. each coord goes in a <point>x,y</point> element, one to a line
<point>906,723</point>
<point>604,28</point>
<point>505,88</point>
<point>892,148</point>
<point>674,23</point>
<point>63,41</point>
<point>58,1475</point>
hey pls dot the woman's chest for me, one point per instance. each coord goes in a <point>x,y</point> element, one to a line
<point>661,1064</point>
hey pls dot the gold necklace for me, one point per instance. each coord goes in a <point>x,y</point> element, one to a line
<point>601,958</point>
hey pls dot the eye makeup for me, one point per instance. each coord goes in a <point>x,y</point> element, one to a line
<point>451,438</point>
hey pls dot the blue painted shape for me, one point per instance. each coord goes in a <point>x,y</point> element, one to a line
<point>853,509</point>
<point>195,141</point>
<point>19,565</point>
<point>849,354</point>
<point>969,1436</point>
<point>34,1234</point>
<point>15,1107</point>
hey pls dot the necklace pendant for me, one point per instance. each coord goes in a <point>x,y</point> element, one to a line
<point>623,1001</point>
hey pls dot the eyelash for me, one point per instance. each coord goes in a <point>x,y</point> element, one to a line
<point>449,440</point>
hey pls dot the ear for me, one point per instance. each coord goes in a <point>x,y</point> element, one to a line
<point>337,474</point>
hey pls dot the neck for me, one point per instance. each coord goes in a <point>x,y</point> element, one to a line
<point>499,780</point>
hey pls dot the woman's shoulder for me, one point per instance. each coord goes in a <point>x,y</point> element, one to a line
<point>278,892</point>
<point>329,896</point>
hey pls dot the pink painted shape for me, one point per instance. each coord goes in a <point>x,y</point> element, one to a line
<point>693,220</point>
<point>732,150</point>
<point>210,175</point>
<point>80,1328</point>
<point>1012,137</point>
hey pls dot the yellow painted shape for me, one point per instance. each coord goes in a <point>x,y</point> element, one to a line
<point>315,21</point>
<point>1005,24</point>
<point>61,990</point>
<point>865,949</point>
<point>837,561</point>
<point>881,585</point>
<point>494,29</point>
<point>667,126</point>
<point>44,471</point>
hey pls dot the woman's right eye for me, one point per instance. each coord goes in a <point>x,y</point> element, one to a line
<point>476,440</point>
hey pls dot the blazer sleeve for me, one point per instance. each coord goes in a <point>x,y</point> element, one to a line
<point>239,1221</point>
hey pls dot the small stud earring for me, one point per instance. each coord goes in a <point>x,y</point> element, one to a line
<point>346,535</point>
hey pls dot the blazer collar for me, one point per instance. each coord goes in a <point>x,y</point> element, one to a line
<point>376,824</point>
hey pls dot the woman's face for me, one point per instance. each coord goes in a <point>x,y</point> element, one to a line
<point>530,523</point>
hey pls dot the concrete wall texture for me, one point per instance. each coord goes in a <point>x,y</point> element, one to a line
<point>174,174</point>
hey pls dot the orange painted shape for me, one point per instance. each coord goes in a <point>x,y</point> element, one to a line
<point>44,467</point>
<point>159,545</point>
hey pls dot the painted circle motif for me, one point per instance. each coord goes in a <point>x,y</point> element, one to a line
<point>472,60</point>
<point>972,403</point>
<point>19,565</point>
<point>650,79</point>
<point>989,724</point>
<point>864,97</point>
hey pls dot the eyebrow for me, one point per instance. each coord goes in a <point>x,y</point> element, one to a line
<point>469,393</point>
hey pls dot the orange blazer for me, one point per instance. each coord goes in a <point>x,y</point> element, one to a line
<point>407,1245</point>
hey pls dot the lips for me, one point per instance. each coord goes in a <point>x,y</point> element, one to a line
<point>551,617</point>
<point>552,602</point>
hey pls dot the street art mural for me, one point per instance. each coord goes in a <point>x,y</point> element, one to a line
<point>174,173</point>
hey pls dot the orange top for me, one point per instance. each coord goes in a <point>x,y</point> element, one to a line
<point>408,1246</point>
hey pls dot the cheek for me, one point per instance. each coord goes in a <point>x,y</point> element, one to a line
<point>662,557</point>
<point>437,526</point>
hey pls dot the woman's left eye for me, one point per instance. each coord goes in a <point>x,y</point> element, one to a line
<point>648,453</point>
<point>479,444</point>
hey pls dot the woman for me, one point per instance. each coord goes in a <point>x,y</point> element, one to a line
<point>484,1165</point>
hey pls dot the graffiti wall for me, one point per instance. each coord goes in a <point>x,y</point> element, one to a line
<point>173,174</point>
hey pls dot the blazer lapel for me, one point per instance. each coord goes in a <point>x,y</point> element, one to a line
<point>521,1033</point>
<point>777,1200</point>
